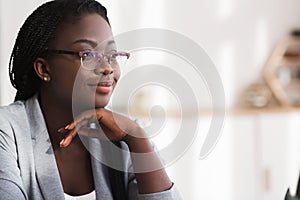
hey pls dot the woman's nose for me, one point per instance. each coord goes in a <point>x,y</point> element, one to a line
<point>104,69</point>
<point>108,71</point>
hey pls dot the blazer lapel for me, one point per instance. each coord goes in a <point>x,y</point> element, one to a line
<point>46,169</point>
<point>45,164</point>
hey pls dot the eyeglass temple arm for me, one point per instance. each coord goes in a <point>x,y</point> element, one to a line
<point>125,54</point>
<point>62,51</point>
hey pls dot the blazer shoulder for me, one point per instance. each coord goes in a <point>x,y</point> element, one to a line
<point>9,115</point>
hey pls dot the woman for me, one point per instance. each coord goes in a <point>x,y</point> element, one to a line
<point>66,44</point>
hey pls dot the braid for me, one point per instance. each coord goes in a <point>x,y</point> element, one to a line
<point>30,43</point>
<point>33,37</point>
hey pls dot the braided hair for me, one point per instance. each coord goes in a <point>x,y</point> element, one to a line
<point>34,35</point>
<point>31,43</point>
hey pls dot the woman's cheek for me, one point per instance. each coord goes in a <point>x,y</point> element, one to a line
<point>117,74</point>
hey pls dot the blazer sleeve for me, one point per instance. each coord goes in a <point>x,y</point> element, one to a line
<point>132,187</point>
<point>10,179</point>
<point>171,194</point>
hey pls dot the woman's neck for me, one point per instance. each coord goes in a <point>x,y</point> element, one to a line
<point>56,115</point>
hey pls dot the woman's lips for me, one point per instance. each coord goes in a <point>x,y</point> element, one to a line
<point>102,87</point>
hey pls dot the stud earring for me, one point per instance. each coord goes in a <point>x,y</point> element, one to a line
<point>46,79</point>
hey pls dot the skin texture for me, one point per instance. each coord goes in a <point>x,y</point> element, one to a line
<point>62,70</point>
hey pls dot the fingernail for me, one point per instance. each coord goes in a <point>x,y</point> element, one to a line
<point>67,126</point>
<point>60,130</point>
<point>61,143</point>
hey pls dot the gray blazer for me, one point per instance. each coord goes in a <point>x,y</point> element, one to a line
<point>28,168</point>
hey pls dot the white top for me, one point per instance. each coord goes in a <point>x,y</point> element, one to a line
<point>89,196</point>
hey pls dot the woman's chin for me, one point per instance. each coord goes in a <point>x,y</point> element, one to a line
<point>101,102</point>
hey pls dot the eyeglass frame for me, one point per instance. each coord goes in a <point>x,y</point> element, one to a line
<point>80,55</point>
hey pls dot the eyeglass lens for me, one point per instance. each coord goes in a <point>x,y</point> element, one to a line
<point>92,60</point>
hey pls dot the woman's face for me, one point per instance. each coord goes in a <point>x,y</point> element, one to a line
<point>92,88</point>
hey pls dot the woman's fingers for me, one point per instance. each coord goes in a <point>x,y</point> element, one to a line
<point>68,139</point>
<point>113,126</point>
<point>82,119</point>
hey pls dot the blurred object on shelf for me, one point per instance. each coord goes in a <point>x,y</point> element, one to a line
<point>296,33</point>
<point>258,95</point>
<point>282,70</point>
<point>288,195</point>
<point>293,50</point>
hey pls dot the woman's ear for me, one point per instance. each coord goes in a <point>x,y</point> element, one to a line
<point>42,69</point>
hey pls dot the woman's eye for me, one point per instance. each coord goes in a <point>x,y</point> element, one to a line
<point>114,55</point>
<point>88,55</point>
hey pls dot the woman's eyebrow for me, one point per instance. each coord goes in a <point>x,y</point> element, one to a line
<point>94,43</point>
<point>111,42</point>
<point>90,42</point>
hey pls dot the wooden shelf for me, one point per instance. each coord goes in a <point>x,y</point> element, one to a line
<point>270,109</point>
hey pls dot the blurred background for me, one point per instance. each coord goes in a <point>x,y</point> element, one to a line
<point>258,153</point>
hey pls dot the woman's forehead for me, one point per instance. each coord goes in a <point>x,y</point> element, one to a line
<point>108,43</point>
<point>89,29</point>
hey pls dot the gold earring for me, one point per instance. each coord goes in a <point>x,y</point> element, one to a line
<point>46,79</point>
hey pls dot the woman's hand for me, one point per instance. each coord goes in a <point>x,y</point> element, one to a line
<point>114,127</point>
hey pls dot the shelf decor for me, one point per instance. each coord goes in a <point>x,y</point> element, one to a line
<point>288,195</point>
<point>282,71</point>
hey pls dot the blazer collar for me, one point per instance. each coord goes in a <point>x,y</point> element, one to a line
<point>45,164</point>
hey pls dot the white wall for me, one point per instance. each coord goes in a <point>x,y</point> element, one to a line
<point>12,15</point>
<point>237,35</point>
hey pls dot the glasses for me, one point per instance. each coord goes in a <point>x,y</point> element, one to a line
<point>90,60</point>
